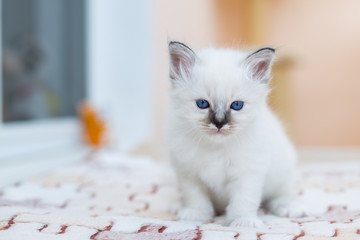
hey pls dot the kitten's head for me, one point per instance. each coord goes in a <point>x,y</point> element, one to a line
<point>217,93</point>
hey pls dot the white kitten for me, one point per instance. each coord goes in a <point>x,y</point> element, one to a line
<point>228,149</point>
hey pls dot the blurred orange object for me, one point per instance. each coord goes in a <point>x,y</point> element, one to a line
<point>94,128</point>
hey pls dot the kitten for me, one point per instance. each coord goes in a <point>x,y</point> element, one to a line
<point>228,149</point>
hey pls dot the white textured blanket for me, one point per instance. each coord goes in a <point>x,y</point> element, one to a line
<point>117,196</point>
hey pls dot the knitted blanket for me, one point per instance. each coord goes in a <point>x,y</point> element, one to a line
<point>117,196</point>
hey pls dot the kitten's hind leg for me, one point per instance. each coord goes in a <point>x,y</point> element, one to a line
<point>285,204</point>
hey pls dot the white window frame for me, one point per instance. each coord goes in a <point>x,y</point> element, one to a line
<point>21,143</point>
<point>23,138</point>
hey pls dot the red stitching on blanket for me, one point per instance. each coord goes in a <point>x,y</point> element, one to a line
<point>300,235</point>
<point>63,229</point>
<point>11,222</point>
<point>108,228</point>
<point>198,234</point>
<point>42,228</point>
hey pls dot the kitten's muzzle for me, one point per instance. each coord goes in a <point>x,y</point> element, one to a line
<point>219,122</point>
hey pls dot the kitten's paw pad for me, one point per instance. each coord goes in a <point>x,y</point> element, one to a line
<point>193,215</point>
<point>253,222</point>
<point>288,209</point>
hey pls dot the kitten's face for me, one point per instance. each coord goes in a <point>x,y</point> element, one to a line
<point>217,96</point>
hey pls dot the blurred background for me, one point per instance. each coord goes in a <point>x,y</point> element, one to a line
<point>317,77</point>
<point>113,53</point>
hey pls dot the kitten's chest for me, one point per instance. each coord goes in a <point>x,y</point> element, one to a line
<point>213,169</point>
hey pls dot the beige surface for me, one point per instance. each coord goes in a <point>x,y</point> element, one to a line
<point>187,21</point>
<point>322,37</point>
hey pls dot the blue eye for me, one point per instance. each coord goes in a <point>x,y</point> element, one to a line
<point>201,103</point>
<point>237,105</point>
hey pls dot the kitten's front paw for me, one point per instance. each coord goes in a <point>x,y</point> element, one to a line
<point>192,214</point>
<point>253,222</point>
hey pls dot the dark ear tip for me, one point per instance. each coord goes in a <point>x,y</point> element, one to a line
<point>266,49</point>
<point>175,43</point>
<point>179,44</point>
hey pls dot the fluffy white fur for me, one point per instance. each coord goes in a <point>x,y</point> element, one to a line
<point>250,160</point>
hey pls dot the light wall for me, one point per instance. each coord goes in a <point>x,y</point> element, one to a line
<point>187,21</point>
<point>323,38</point>
<point>120,43</point>
<point>319,38</point>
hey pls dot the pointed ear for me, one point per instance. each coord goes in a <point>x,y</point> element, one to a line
<point>258,64</point>
<point>182,60</point>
